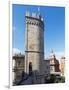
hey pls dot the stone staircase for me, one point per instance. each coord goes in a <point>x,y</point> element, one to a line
<point>28,79</point>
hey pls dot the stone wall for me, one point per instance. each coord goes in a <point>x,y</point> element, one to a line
<point>18,65</point>
<point>34,44</point>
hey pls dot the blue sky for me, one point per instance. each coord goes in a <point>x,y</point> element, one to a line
<point>54,27</point>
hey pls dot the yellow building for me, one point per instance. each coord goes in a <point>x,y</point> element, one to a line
<point>62,65</point>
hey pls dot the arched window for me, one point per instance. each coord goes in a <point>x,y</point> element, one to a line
<point>30,68</point>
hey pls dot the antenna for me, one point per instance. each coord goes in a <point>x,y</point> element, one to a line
<point>39,16</point>
<point>38,9</point>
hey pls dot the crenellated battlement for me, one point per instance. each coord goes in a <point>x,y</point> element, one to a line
<point>34,19</point>
<point>34,15</point>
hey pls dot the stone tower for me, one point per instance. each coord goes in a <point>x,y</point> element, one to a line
<point>34,54</point>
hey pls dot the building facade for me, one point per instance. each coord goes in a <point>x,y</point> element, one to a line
<point>46,67</point>
<point>54,64</point>
<point>62,65</point>
<point>50,67</point>
<point>18,67</point>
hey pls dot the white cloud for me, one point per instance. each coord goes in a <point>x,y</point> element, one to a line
<point>16,51</point>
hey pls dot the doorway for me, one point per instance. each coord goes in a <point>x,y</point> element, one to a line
<point>30,68</point>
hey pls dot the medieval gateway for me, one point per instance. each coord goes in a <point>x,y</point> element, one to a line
<point>32,68</point>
